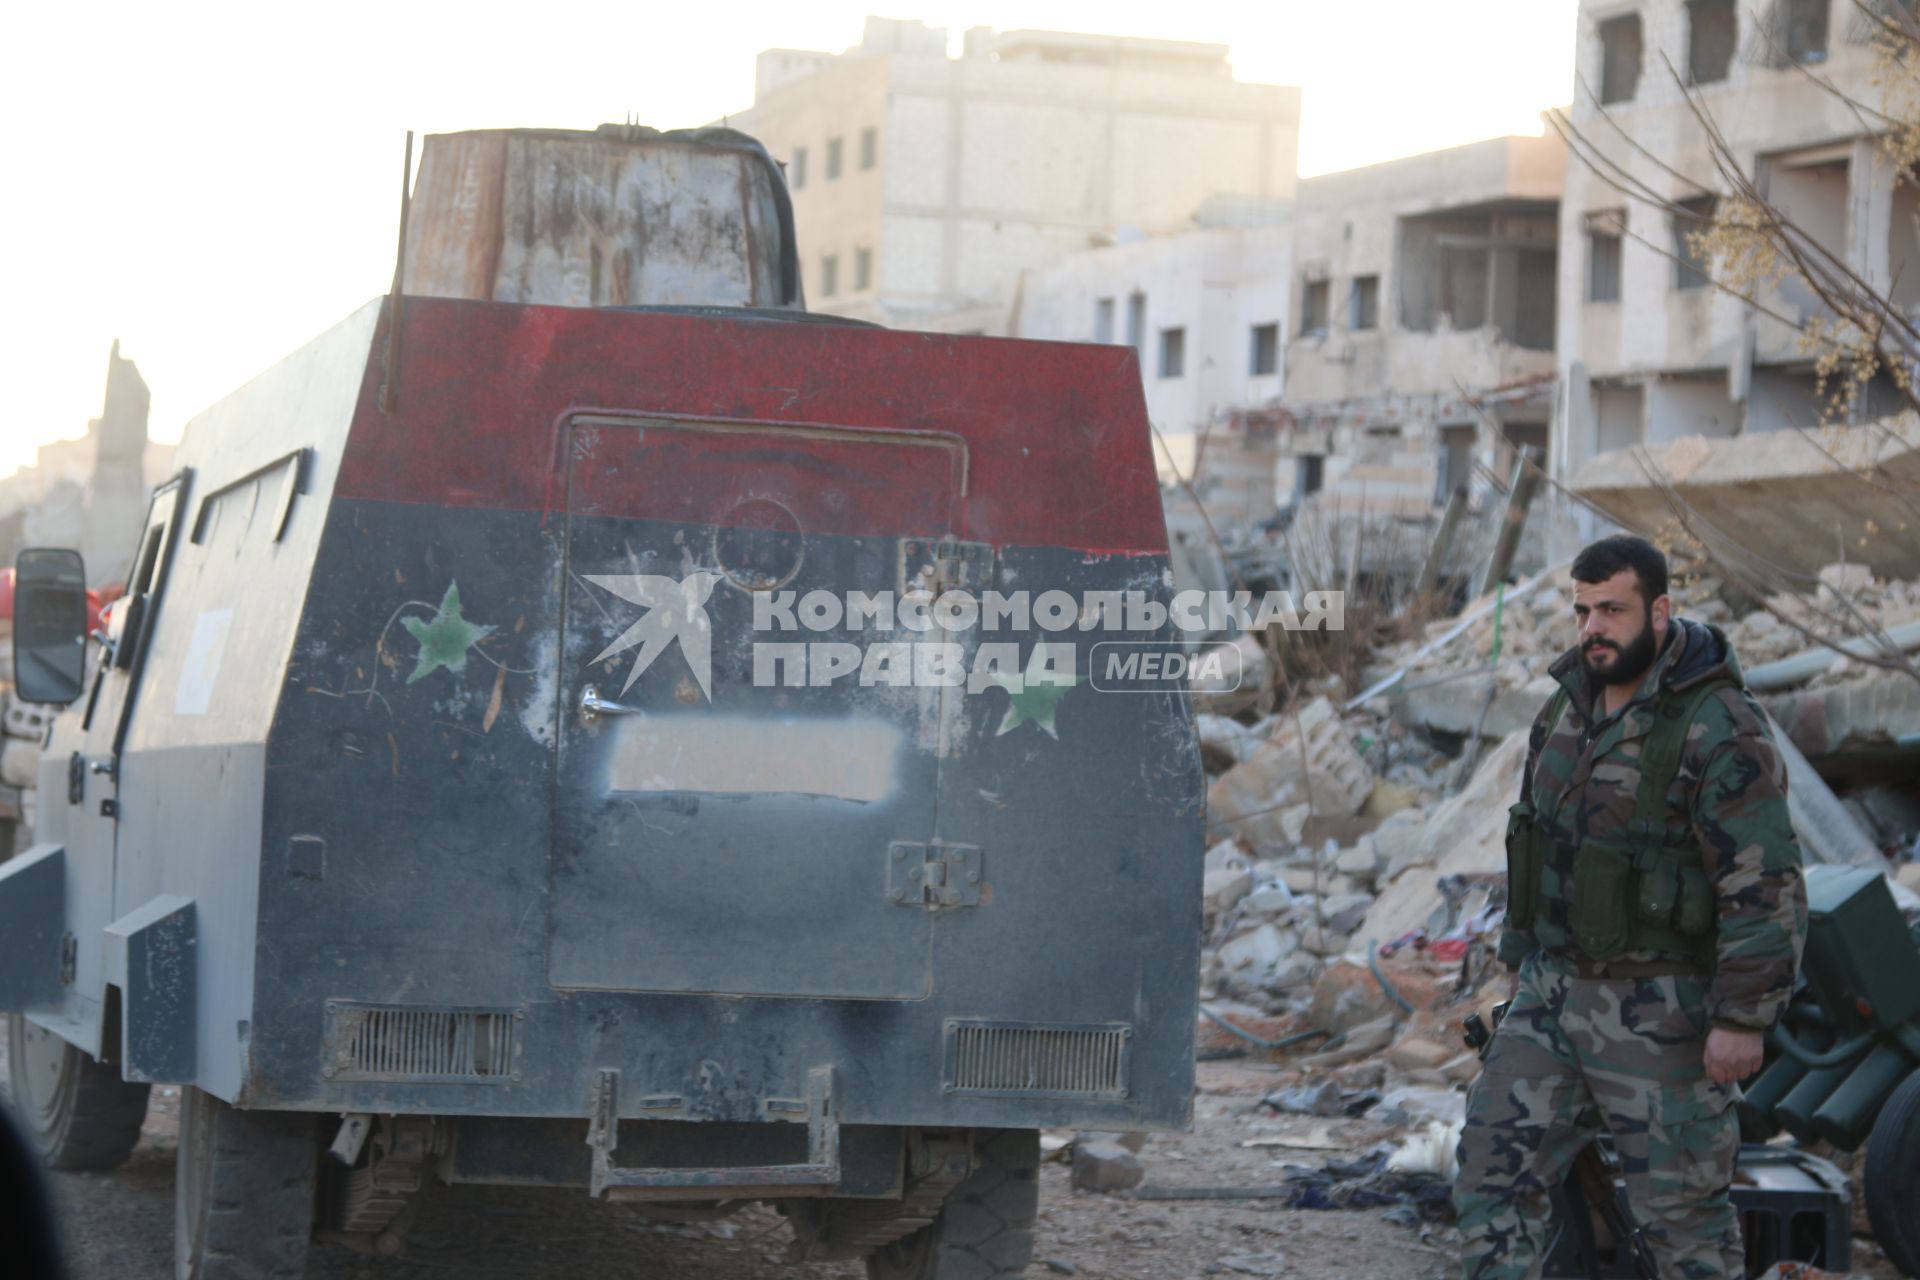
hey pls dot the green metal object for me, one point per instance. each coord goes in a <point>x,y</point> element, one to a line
<point>1861,961</point>
<point>1862,968</point>
<point>1768,1091</point>
<point>1847,1116</point>
<point>1795,1112</point>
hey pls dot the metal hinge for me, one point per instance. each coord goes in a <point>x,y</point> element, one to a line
<point>933,875</point>
<point>945,564</point>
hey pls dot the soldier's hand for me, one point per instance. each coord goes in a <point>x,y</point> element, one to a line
<point>1733,1055</point>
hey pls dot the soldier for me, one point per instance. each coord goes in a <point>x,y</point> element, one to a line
<point>1655,915</point>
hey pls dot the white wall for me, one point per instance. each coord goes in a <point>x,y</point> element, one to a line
<point>1215,284</point>
<point>1765,112</point>
<point>991,165</point>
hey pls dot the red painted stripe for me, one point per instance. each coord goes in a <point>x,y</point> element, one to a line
<point>1050,439</point>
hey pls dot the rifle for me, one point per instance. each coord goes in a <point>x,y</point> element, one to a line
<point>1593,1174</point>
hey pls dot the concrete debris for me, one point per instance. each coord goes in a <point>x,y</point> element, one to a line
<point>1252,958</point>
<point>1431,1150</point>
<point>1362,1041</point>
<point>1226,854</point>
<point>1106,1166</point>
<point>1309,762</point>
<point>1465,837</point>
<point>1224,889</point>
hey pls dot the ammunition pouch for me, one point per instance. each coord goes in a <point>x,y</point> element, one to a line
<point>1526,859</point>
<point>1649,898</point>
<point>1648,894</point>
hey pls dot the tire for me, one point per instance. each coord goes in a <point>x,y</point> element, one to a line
<point>1892,1179</point>
<point>243,1197</point>
<point>78,1113</point>
<point>985,1228</point>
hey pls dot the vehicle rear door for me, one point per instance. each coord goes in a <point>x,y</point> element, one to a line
<point>726,821</point>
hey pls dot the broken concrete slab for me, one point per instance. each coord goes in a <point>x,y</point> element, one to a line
<point>1871,711</point>
<point>1456,706</point>
<point>1309,761</point>
<point>1783,496</point>
<point>1466,836</point>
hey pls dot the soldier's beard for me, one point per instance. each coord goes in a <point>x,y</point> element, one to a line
<point>1628,663</point>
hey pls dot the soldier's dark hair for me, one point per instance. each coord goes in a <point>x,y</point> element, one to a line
<point>1601,560</point>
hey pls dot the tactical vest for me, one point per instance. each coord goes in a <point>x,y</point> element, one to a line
<point>1647,893</point>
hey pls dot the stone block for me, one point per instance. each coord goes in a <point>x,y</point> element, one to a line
<point>1224,855</point>
<point>1417,1053</point>
<point>1106,1166</point>
<point>1221,891</point>
<point>1252,955</point>
<point>1275,900</point>
<point>1362,862</point>
<point>1344,912</point>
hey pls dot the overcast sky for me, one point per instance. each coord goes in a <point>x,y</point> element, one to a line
<point>215,184</point>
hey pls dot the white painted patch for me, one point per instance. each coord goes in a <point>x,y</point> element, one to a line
<point>537,712</point>
<point>201,670</point>
<point>852,759</point>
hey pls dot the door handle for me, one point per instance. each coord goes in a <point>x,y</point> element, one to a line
<point>593,706</point>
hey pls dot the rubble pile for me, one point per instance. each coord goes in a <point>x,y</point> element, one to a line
<point>1355,879</point>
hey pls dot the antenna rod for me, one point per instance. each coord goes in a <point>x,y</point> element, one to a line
<point>390,382</point>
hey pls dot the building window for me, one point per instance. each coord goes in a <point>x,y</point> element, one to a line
<point>1313,308</point>
<point>1711,33</point>
<point>1619,58</point>
<point>1136,320</point>
<point>1103,320</point>
<point>1363,304</point>
<point>1603,255</point>
<point>862,270</point>
<point>1806,29</point>
<point>798,172</point>
<point>1309,472</point>
<point>829,275</point>
<point>1173,353</point>
<point>1691,218</point>
<point>869,148</point>
<point>835,149</point>
<point>1266,351</point>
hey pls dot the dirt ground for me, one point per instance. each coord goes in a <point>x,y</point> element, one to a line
<point>119,1226</point>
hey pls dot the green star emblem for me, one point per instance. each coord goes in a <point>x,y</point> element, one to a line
<point>1034,696</point>
<point>445,638</point>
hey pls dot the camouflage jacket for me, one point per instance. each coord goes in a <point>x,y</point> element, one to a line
<point>1731,791</point>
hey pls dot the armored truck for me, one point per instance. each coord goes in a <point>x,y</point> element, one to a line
<point>551,745</point>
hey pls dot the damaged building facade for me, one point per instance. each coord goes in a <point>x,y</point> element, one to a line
<point>1650,350</point>
<point>923,184</point>
<point>1424,323</point>
<point>1205,309</point>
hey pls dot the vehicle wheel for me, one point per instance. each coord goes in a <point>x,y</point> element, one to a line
<point>985,1228</point>
<point>1892,1178</point>
<point>78,1112</point>
<point>243,1191</point>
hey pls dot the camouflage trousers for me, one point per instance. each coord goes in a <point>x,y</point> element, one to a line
<point>1577,1055</point>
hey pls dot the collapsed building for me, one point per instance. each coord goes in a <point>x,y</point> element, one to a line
<point>1649,350</point>
<point>1424,334</point>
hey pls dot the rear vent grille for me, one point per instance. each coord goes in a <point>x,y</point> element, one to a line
<point>1028,1060</point>
<point>376,1043</point>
